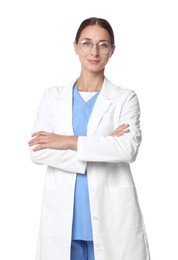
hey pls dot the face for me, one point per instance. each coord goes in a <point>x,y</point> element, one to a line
<point>94,48</point>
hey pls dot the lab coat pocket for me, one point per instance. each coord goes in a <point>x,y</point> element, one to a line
<point>123,208</point>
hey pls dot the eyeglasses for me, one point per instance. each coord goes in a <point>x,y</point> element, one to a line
<point>103,47</point>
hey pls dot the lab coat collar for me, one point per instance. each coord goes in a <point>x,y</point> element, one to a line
<point>102,104</point>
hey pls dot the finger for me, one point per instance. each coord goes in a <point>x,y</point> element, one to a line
<point>33,141</point>
<point>39,133</point>
<point>123,126</point>
<point>37,140</point>
<point>39,147</point>
<point>120,128</point>
<point>119,133</point>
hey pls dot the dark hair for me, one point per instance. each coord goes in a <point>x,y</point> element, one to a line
<point>92,21</point>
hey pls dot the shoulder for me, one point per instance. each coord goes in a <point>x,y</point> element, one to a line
<point>57,92</point>
<point>119,92</point>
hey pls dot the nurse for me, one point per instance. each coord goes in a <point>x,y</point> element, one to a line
<point>88,133</point>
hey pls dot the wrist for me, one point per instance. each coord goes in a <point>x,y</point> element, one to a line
<point>72,142</point>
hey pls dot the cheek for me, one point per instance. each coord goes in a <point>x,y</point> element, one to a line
<point>82,58</point>
<point>105,61</point>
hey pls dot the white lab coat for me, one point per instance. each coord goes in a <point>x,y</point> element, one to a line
<point>118,227</point>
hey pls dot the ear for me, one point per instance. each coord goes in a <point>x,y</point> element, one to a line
<point>112,51</point>
<point>76,48</point>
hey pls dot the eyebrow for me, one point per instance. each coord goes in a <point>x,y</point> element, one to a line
<point>89,39</point>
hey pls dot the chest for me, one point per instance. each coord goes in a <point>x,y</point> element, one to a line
<point>103,119</point>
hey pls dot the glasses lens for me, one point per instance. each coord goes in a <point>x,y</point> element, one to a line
<point>104,47</point>
<point>86,45</point>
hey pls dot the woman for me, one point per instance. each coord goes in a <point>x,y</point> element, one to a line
<point>88,133</point>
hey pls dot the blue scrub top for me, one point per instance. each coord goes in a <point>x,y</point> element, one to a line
<point>82,227</point>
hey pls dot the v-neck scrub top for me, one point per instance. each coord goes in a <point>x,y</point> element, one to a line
<point>81,111</point>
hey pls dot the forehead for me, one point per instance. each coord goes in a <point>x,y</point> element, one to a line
<point>95,32</point>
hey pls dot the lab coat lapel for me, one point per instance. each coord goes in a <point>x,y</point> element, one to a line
<point>102,104</point>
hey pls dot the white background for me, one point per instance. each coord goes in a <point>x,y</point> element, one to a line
<point>36,52</point>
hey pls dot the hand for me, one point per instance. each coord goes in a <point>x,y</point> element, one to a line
<point>122,129</point>
<point>43,140</point>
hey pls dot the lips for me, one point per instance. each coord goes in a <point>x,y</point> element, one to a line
<point>94,61</point>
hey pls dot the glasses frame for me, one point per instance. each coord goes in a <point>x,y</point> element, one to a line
<point>97,45</point>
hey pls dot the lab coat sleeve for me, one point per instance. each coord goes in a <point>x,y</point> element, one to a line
<point>115,149</point>
<point>65,160</point>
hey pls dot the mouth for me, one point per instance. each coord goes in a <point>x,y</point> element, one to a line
<point>94,61</point>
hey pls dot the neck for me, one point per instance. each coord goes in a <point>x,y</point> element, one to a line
<point>90,83</point>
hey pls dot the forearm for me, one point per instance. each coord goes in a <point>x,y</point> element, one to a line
<point>42,140</point>
<point>108,149</point>
<point>56,151</point>
<point>46,147</point>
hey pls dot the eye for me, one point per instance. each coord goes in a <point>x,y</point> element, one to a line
<point>104,45</point>
<point>86,43</point>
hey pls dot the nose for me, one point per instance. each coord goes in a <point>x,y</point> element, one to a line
<point>94,49</point>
